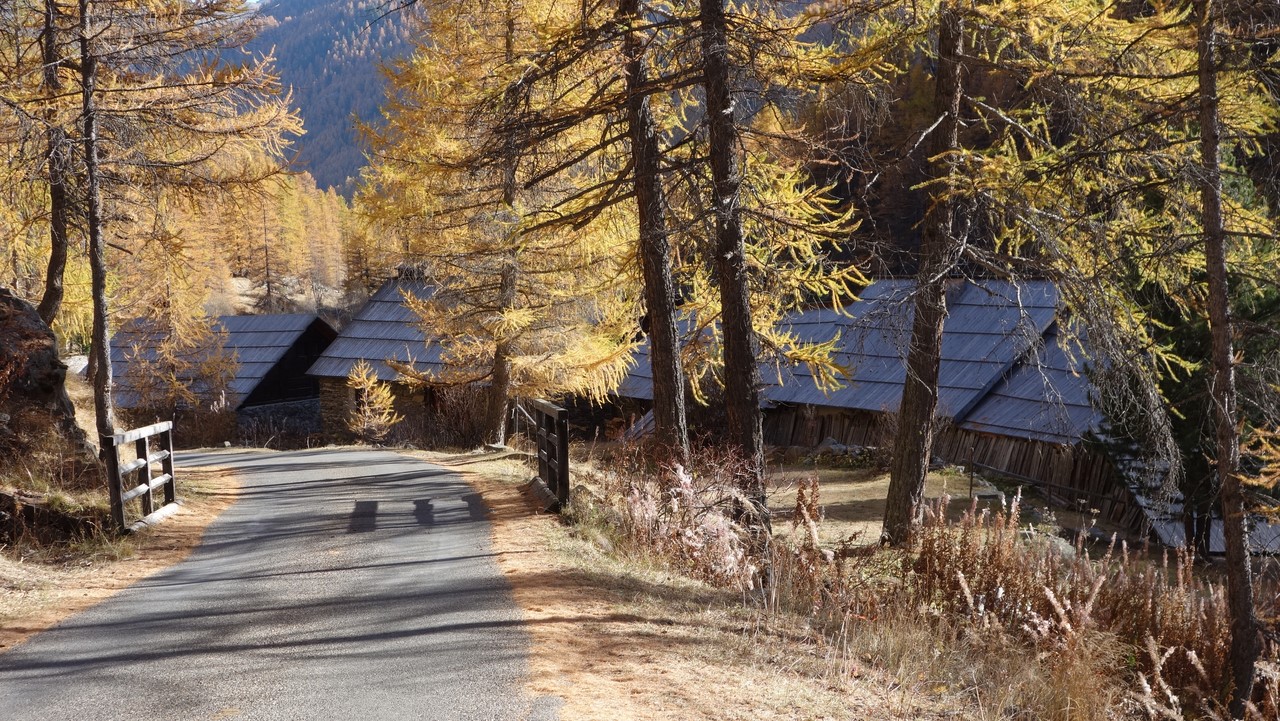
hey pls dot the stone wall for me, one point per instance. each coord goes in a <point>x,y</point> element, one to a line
<point>292,418</point>
<point>337,399</point>
<point>335,403</point>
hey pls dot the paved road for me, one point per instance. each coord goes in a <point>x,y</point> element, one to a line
<point>341,585</point>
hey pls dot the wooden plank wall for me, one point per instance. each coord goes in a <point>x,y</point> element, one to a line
<point>807,426</point>
<point>1072,476</point>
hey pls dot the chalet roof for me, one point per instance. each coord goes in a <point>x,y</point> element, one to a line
<point>989,326</point>
<point>384,328</point>
<point>257,343</point>
<point>1046,397</point>
<point>1005,368</point>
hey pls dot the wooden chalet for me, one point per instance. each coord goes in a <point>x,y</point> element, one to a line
<point>384,329</point>
<point>270,356</point>
<point>1013,397</point>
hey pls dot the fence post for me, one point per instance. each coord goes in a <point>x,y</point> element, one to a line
<point>562,456</point>
<point>544,458</point>
<point>144,475</point>
<point>111,455</point>
<point>166,466</point>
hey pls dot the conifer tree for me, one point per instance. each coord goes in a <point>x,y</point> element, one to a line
<point>520,307</point>
<point>913,442</point>
<point>171,111</point>
<point>1110,182</point>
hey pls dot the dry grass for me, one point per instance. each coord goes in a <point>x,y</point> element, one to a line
<point>853,499</point>
<point>980,612</point>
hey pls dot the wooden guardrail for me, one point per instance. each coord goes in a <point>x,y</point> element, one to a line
<point>552,423</point>
<point>135,480</point>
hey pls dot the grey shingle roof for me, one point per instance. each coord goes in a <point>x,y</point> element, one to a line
<point>990,324</point>
<point>1004,366</point>
<point>257,343</point>
<point>385,328</point>
<point>1046,398</point>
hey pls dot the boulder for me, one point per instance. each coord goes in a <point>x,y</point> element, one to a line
<point>32,377</point>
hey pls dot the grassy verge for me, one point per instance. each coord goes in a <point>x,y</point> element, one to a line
<point>623,636</point>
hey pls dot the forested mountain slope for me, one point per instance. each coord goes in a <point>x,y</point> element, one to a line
<point>328,52</point>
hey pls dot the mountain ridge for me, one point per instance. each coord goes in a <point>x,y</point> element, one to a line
<point>329,54</point>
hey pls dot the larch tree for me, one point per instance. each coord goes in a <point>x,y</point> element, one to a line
<point>163,105</point>
<point>1112,183</point>
<point>41,112</point>
<point>647,68</point>
<point>671,430</point>
<point>913,442</point>
<point>518,306</point>
<point>740,345</point>
<point>1245,641</point>
<point>57,156</point>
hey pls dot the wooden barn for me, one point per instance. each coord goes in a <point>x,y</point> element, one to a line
<point>1013,398</point>
<point>383,329</point>
<point>269,356</point>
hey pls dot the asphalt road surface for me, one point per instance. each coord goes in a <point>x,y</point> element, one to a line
<point>343,584</point>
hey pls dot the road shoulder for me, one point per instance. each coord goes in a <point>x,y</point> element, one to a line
<point>39,590</point>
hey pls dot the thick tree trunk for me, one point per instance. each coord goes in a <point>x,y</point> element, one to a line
<point>741,375</point>
<point>500,375</point>
<point>102,382</point>
<point>1244,628</point>
<point>57,168</point>
<point>913,443</point>
<point>671,431</point>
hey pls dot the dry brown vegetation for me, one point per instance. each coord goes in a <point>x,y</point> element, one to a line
<point>647,597</point>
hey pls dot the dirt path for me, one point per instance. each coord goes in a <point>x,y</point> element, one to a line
<point>39,590</point>
<point>620,640</point>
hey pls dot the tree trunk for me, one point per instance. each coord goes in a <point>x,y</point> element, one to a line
<point>57,168</point>
<point>671,431</point>
<point>741,375</point>
<point>102,383</point>
<point>1244,628</point>
<point>500,375</point>
<point>913,443</point>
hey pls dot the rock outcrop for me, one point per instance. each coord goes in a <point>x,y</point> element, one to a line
<point>32,377</point>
